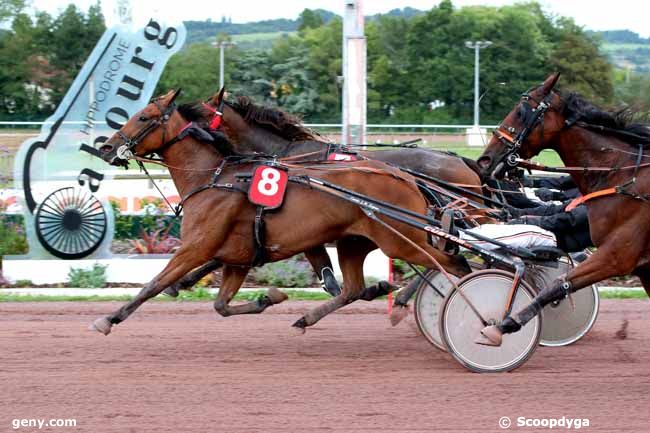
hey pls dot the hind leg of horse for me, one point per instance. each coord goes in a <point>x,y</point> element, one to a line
<point>644,276</point>
<point>180,264</point>
<point>233,277</point>
<point>189,280</point>
<point>322,265</point>
<point>352,252</point>
<point>599,266</point>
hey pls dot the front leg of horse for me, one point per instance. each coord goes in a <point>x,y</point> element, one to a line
<point>322,265</point>
<point>599,266</point>
<point>180,264</point>
<point>233,277</point>
<point>352,253</point>
<point>192,278</point>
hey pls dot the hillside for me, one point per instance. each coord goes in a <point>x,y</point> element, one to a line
<point>625,49</point>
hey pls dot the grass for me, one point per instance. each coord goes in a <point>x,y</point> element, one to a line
<point>196,295</point>
<point>254,37</point>
<point>624,294</point>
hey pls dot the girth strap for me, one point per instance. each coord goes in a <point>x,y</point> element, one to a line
<point>259,236</point>
<point>592,195</point>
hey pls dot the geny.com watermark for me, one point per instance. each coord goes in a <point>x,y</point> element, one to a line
<point>549,423</point>
<point>40,423</point>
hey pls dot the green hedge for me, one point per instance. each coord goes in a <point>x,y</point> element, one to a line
<point>126,227</point>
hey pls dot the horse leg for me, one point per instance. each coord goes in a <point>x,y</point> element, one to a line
<point>599,266</point>
<point>351,252</point>
<point>644,276</point>
<point>180,264</point>
<point>400,304</point>
<point>322,265</point>
<point>233,277</point>
<point>189,280</point>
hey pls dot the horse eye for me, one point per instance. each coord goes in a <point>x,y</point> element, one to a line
<point>142,119</point>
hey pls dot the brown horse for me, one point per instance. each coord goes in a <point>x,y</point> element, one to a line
<point>604,153</point>
<point>218,220</point>
<point>253,128</point>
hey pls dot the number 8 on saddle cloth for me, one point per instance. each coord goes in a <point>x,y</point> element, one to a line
<point>268,186</point>
<point>266,190</point>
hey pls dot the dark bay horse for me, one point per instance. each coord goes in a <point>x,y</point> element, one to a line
<point>217,223</point>
<point>254,128</point>
<point>606,155</point>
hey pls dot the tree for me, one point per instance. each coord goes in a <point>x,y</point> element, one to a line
<point>309,19</point>
<point>9,9</point>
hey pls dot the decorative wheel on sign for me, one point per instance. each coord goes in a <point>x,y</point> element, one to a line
<point>70,223</point>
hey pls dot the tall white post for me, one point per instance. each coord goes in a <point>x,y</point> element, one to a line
<point>354,74</point>
<point>475,135</point>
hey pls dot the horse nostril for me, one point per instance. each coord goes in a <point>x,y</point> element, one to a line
<point>484,162</point>
<point>106,148</point>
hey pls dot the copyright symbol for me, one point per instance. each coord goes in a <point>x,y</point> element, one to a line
<point>504,422</point>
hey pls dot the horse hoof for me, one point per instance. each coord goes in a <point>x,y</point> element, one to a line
<point>299,326</point>
<point>171,291</point>
<point>490,336</point>
<point>102,325</point>
<point>276,296</point>
<point>398,314</point>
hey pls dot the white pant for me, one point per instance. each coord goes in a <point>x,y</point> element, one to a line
<point>515,235</point>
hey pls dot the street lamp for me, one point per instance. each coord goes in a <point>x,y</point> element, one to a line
<point>476,130</point>
<point>222,45</point>
<point>476,46</point>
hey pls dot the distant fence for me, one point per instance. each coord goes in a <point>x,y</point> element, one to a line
<point>432,135</point>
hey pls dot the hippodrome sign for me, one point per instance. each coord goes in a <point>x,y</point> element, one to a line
<point>60,170</point>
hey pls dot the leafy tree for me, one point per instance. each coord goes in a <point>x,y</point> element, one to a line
<point>310,19</point>
<point>10,9</point>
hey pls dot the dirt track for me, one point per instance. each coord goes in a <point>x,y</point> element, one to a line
<point>177,368</point>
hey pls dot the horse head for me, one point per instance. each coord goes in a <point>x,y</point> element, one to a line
<point>144,133</point>
<point>530,127</point>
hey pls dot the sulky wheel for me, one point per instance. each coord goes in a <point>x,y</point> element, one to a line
<point>70,223</point>
<point>428,302</point>
<point>460,327</point>
<point>568,320</point>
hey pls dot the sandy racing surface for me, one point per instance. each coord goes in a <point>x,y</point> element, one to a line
<point>176,367</point>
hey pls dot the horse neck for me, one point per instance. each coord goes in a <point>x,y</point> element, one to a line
<point>579,147</point>
<point>191,164</point>
<point>251,138</point>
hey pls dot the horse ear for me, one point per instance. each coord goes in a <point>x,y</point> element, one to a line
<point>550,82</point>
<point>175,95</point>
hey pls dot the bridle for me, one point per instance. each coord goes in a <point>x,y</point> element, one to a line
<point>532,116</point>
<point>126,149</point>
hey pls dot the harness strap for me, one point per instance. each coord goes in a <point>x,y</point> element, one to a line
<point>592,195</point>
<point>259,236</point>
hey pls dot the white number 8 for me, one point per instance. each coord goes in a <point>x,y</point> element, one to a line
<point>268,185</point>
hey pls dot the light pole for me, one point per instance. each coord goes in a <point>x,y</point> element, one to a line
<point>222,46</point>
<point>476,46</point>
<point>475,136</point>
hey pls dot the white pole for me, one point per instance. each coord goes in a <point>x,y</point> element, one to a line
<point>354,74</point>
<point>476,80</point>
<point>221,69</point>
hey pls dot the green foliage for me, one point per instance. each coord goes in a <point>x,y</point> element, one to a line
<point>153,219</point>
<point>288,273</point>
<point>310,19</point>
<point>12,237</point>
<point>95,277</point>
<point>41,55</point>
<point>10,8</point>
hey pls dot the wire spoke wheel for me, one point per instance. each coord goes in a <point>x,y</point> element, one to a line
<point>70,223</point>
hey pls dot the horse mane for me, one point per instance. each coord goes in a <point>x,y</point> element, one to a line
<point>629,125</point>
<point>272,119</point>
<point>198,113</point>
